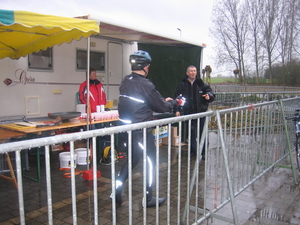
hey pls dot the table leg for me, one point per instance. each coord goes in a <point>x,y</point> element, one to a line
<point>12,172</point>
<point>38,166</point>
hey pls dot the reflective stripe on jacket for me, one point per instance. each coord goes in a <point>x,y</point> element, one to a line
<point>139,99</point>
<point>97,94</point>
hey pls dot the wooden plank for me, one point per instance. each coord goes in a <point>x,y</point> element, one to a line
<point>6,134</point>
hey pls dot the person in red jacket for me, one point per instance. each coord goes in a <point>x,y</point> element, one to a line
<point>97,94</point>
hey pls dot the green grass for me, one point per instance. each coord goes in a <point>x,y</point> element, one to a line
<point>230,81</point>
<point>222,80</point>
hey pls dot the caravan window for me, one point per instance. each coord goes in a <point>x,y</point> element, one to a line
<point>41,60</point>
<point>97,60</point>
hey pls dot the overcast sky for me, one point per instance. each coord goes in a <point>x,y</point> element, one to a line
<point>192,17</point>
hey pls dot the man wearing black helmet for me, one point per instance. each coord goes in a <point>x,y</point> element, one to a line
<point>137,102</point>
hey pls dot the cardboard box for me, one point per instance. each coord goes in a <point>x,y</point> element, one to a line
<point>165,141</point>
<point>159,141</point>
<point>163,132</point>
<point>174,131</point>
<point>80,144</point>
<point>174,138</point>
<point>174,141</point>
<point>57,147</point>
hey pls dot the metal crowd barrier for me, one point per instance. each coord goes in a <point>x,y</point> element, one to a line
<point>249,88</point>
<point>235,99</point>
<point>242,144</point>
<point>252,140</point>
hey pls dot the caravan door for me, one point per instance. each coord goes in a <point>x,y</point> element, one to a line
<point>115,71</point>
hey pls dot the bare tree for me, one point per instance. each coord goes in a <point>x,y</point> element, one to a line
<point>230,29</point>
<point>254,17</point>
<point>271,27</point>
<point>296,33</point>
<point>254,35</point>
<point>286,36</point>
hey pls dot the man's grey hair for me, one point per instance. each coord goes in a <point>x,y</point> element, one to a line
<point>189,67</point>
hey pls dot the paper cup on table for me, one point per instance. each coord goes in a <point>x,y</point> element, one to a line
<point>80,108</point>
<point>98,107</point>
<point>102,108</point>
<point>83,116</point>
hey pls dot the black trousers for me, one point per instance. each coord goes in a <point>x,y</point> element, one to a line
<point>137,154</point>
<point>193,141</point>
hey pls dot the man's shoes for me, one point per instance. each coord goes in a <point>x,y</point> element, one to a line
<point>152,202</point>
<point>118,197</point>
<point>193,154</point>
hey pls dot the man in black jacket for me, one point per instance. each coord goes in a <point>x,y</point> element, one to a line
<point>137,102</point>
<point>198,96</point>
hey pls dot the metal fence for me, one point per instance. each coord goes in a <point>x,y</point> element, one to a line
<point>251,140</point>
<point>242,144</point>
<point>235,99</point>
<point>241,88</point>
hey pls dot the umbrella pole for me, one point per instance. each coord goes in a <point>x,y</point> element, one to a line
<point>88,84</point>
<point>89,116</point>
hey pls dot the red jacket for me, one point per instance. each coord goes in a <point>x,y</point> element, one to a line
<point>97,94</point>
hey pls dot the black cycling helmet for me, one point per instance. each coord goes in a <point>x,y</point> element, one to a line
<point>139,60</point>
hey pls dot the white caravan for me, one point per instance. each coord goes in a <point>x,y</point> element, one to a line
<point>47,82</point>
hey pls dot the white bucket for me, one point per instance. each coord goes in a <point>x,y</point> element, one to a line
<point>82,156</point>
<point>65,159</point>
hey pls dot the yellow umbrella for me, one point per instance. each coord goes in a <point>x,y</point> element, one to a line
<point>22,33</point>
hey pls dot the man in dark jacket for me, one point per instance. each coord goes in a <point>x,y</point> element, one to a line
<point>198,96</point>
<point>137,102</point>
